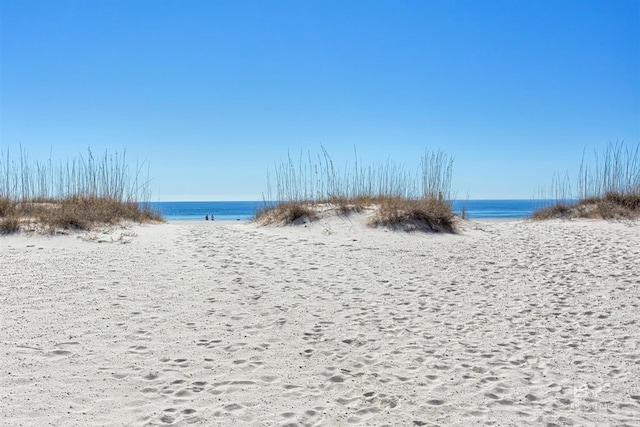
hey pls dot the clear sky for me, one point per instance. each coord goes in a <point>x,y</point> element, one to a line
<point>213,93</point>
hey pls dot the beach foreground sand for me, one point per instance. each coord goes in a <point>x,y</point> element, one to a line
<point>212,323</point>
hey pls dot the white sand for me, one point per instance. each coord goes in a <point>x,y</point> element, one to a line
<point>215,323</point>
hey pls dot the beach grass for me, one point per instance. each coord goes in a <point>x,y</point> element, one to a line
<point>430,214</point>
<point>608,188</point>
<point>79,194</point>
<point>400,198</point>
<point>286,212</point>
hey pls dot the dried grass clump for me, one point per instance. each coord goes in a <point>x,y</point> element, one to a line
<point>356,204</point>
<point>286,214</point>
<point>6,206</point>
<point>9,225</point>
<point>629,201</point>
<point>560,210</point>
<point>414,215</point>
<point>73,213</point>
<point>611,206</point>
<point>85,213</point>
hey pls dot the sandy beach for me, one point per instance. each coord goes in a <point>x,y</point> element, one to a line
<point>332,323</point>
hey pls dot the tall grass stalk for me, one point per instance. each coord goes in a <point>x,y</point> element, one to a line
<point>108,176</point>
<point>616,171</point>
<point>317,179</point>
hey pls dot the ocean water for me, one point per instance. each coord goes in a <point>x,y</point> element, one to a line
<point>196,211</point>
<point>244,211</point>
<point>514,209</point>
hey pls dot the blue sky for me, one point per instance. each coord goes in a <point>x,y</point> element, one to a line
<point>213,93</point>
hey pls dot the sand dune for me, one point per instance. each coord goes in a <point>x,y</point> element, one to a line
<point>331,323</point>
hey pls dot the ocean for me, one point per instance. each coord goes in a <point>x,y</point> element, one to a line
<point>244,211</point>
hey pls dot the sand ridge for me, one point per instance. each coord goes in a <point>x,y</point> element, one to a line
<point>325,323</point>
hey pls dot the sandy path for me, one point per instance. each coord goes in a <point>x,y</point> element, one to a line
<point>333,324</point>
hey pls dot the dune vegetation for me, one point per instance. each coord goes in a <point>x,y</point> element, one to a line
<point>80,194</point>
<point>609,188</point>
<point>394,196</point>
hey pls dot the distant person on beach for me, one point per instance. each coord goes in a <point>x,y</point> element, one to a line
<point>206,217</point>
<point>212,217</point>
